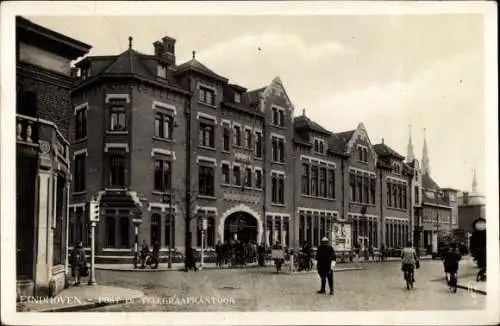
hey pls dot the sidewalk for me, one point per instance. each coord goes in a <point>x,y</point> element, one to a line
<point>180,266</point>
<point>77,298</point>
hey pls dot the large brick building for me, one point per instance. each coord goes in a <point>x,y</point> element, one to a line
<point>43,85</point>
<point>149,132</point>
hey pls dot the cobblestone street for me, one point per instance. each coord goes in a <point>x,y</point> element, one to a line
<point>377,287</point>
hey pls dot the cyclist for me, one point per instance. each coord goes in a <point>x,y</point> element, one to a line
<point>409,258</point>
<point>451,262</point>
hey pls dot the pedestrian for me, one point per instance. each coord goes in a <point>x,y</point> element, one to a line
<point>190,261</point>
<point>144,253</point>
<point>324,258</point>
<point>78,263</point>
<point>219,253</point>
<point>261,254</point>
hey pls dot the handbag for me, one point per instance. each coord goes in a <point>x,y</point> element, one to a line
<point>417,264</point>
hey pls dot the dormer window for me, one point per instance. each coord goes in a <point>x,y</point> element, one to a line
<point>237,97</point>
<point>85,73</point>
<point>319,145</point>
<point>162,71</point>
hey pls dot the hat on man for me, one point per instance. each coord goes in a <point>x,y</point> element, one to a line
<point>324,239</point>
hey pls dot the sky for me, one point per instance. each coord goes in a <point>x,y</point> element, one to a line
<point>387,71</point>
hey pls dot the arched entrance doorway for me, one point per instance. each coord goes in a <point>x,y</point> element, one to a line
<point>241,226</point>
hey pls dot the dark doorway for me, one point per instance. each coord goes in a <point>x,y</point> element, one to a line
<point>242,225</point>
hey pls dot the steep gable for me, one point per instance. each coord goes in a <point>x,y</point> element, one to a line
<point>276,87</point>
<point>361,133</point>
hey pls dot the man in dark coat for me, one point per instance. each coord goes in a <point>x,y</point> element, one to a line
<point>324,258</point>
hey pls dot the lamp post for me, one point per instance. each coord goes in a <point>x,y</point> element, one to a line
<point>204,225</point>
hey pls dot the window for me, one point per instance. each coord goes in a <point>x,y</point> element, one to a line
<point>209,234</point>
<point>117,119</point>
<point>124,232</point>
<point>274,189</point>
<point>116,170</point>
<point>248,138</point>
<point>162,175</point>
<point>81,124</point>
<point>331,183</point>
<point>404,198</point>
<point>352,185</point>
<point>236,176</point>
<point>163,126</point>
<point>248,177</point>
<point>225,174</point>
<point>281,189</point>
<point>275,117</point>
<point>207,96</point>
<point>206,180</point>
<point>162,71</point>
<point>400,196</point>
<point>278,189</point>
<point>394,195</point>
<point>281,150</point>
<point>314,181</point>
<point>258,144</point>
<point>366,188</point>
<point>237,97</point>
<point>417,195</point>
<point>258,179</point>
<point>319,146</point>
<point>281,117</point>
<point>80,172</point>
<point>278,149</point>
<point>389,194</point>
<point>155,229</point>
<point>305,179</point>
<point>373,183</point>
<point>226,139</point>
<point>206,135</point>
<point>110,232</point>
<point>169,224</point>
<point>237,136</point>
<point>359,185</point>
<point>322,182</point>
<point>362,154</point>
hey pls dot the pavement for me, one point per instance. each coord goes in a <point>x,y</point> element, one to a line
<point>77,298</point>
<point>467,277</point>
<point>370,287</point>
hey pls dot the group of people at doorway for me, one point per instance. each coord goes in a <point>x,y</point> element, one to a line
<point>235,252</point>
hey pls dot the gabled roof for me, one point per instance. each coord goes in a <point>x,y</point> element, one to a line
<point>384,150</point>
<point>195,65</point>
<point>304,122</point>
<point>429,183</point>
<point>338,141</point>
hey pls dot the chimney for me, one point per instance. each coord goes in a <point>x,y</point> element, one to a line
<point>158,46</point>
<point>382,140</point>
<point>466,198</point>
<point>304,112</point>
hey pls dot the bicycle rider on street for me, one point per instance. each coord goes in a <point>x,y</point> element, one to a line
<point>451,262</point>
<point>409,259</point>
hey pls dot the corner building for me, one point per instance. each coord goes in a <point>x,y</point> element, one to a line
<point>162,146</point>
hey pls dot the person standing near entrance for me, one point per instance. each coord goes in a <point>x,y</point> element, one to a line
<point>78,262</point>
<point>324,257</point>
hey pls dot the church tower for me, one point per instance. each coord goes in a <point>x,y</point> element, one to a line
<point>426,169</point>
<point>410,156</point>
<point>474,183</point>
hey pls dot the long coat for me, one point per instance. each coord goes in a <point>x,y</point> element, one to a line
<point>324,258</point>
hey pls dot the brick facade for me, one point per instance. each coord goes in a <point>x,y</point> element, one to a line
<point>208,111</point>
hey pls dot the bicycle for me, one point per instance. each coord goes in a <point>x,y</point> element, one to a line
<point>452,282</point>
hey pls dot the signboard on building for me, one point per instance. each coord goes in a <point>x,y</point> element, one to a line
<point>341,236</point>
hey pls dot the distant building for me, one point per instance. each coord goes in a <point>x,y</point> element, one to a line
<point>471,205</point>
<point>43,77</point>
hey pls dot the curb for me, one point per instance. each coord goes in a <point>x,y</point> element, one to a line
<point>336,270</point>
<point>89,305</point>
<point>471,289</point>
